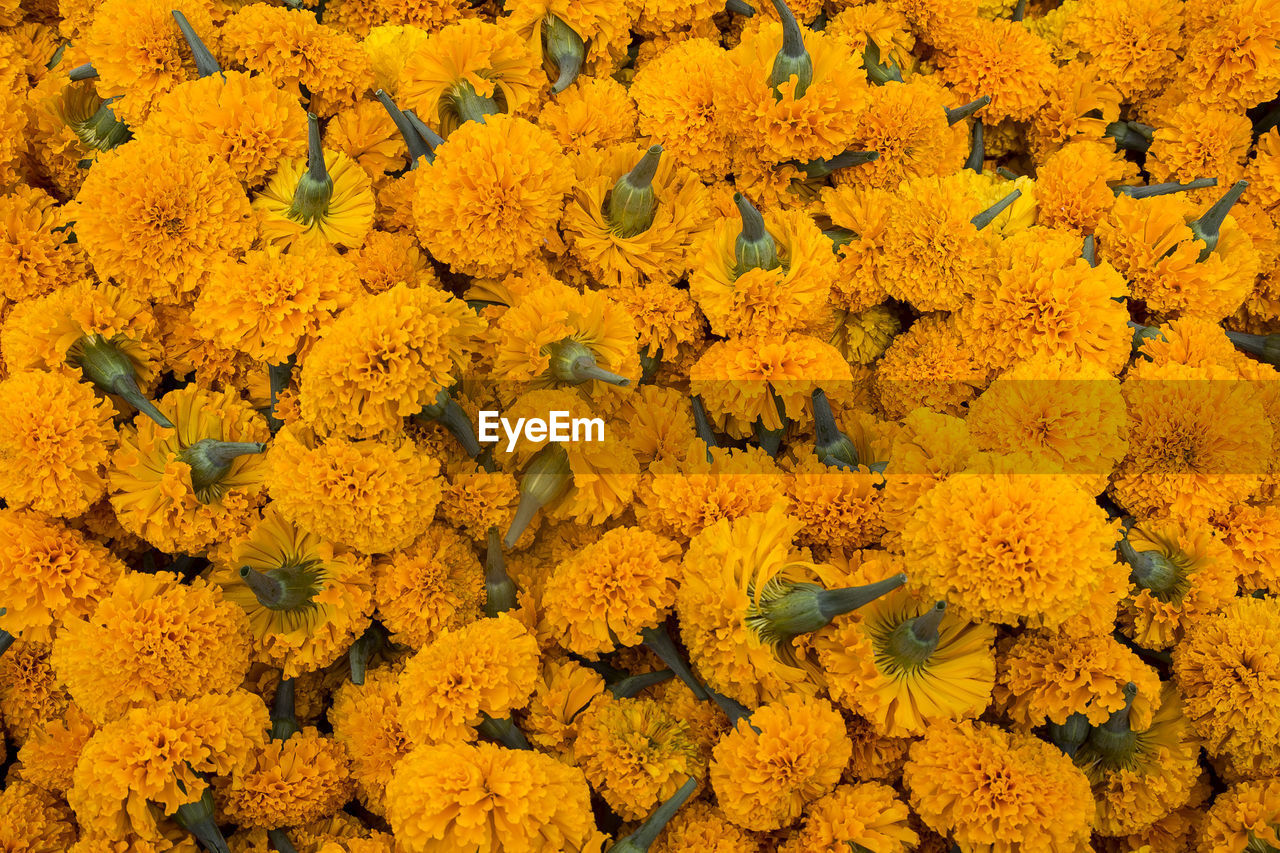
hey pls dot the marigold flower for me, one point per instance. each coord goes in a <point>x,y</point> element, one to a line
<point>1247,813</point>
<point>839,508</point>
<point>634,753</point>
<point>675,94</point>
<point>1134,44</point>
<point>154,215</point>
<point>563,692</point>
<point>930,366</point>
<point>48,758</point>
<point>288,782</point>
<point>1194,142</point>
<point>989,789</point>
<point>433,585</point>
<point>593,113</point>
<point>368,135</point>
<point>366,720</point>
<point>244,119</point>
<point>907,125</point>
<point>34,821</point>
<point>49,573</point>
<point>294,50</point>
<point>1074,185</point>
<point>1225,663</point>
<point>156,754</point>
<point>34,257</point>
<point>701,826</point>
<point>388,258</point>
<point>668,323</point>
<point>1252,537</point>
<point>384,359</point>
<point>31,693</point>
<point>362,17</point>
<point>1081,105</point>
<point>773,764</point>
<point>482,670</point>
<point>1232,58</point>
<point>54,441</point>
<point>964,546</point>
<point>855,816</point>
<point>1000,58</point>
<point>373,496</point>
<point>191,486</point>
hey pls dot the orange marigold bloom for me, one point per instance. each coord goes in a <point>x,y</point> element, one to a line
<point>1194,142</point>
<point>667,321</point>
<point>930,365</point>
<point>435,584</point>
<point>362,17</point>
<point>31,693</point>
<point>609,592</point>
<point>388,258</point>
<point>1232,59</point>
<point>48,758</point>
<point>373,496</point>
<point>1134,44</point>
<point>634,753</point>
<point>55,438</point>
<point>839,508</point>
<point>1263,172</point>
<point>383,359</point>
<point>787,754</point>
<point>1080,106</point>
<point>1252,537</point>
<point>167,488</point>
<point>34,821</point>
<point>34,257</point>
<point>554,716</point>
<point>344,220</point>
<point>49,573</point>
<point>1000,58</point>
<point>469,69</point>
<point>492,197</point>
<point>485,669</point>
<point>675,94</point>
<point>1009,548</point>
<point>268,301</point>
<point>1075,184</point>
<point>366,720</point>
<point>998,791</point>
<point>244,119</point>
<point>868,815</point>
<point>294,50</point>
<point>288,782</point>
<point>516,801</point>
<point>152,638</point>
<point>157,754</point>
<point>367,134</point>
<point>1248,813</point>
<point>906,124</point>
<point>154,214</point>
<point>595,112</point>
<point>1225,665</point>
<point>703,827</point>
<point>858,285</point>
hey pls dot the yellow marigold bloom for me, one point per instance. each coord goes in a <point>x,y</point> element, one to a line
<point>634,753</point>
<point>703,827</point>
<point>906,123</point>
<point>548,335</point>
<point>294,50</point>
<point>1247,813</point>
<point>1194,142</point>
<point>485,669</point>
<point>778,761</point>
<point>139,52</point>
<point>475,500</point>
<point>1069,418</point>
<point>1224,666</point>
<point>1232,59</point>
<point>903,663</point>
<point>1199,442</point>
<point>868,815</point>
<point>1252,537</point>
<point>388,46</point>
<point>675,94</point>
<point>157,754</point>
<point>1081,104</point>
<point>776,120</point>
<point>152,638</point>
<point>492,197</point>
<point>1150,242</point>
<point>344,218</point>
<point>876,758</point>
<point>515,801</point>
<point>469,70</point>
<point>687,492</point>
<point>367,134</point>
<point>34,821</point>
<point>929,365</point>
<point>1009,548</point>
<point>747,299</point>
<point>388,258</point>
<point>838,508</point>
<point>362,17</point>
<point>55,438</point>
<point>31,693</point>
<point>49,573</point>
<point>383,359</point>
<point>1263,171</point>
<point>1181,571</point>
<point>997,791</point>
<point>268,301</point>
<point>244,119</point>
<point>1075,185</point>
<point>366,720</point>
<point>743,380</point>
<point>434,585</point>
<point>48,758</point>
<point>656,18</point>
<point>608,593</point>
<point>1047,676</point>
<point>1134,44</point>
<point>197,484</point>
<point>288,782</point>
<point>865,212</point>
<point>595,112</point>
<point>373,496</point>
<point>563,692</point>
<point>34,258</point>
<point>1000,58</point>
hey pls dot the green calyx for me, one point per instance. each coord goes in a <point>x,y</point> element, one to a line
<point>206,65</point>
<point>1089,251</point>
<point>740,7</point>
<point>879,73</point>
<point>960,113</point>
<point>417,146</point>
<point>197,818</point>
<point>1154,572</point>
<point>647,833</point>
<point>545,481</point>
<point>290,587</point>
<point>913,642</point>
<point>82,72</point>
<point>1144,333</point>
<point>573,362</point>
<point>1167,188</point>
<point>362,650</point>
<point>977,149</point>
<point>815,170</point>
<point>632,202</point>
<point>1130,135</point>
<point>6,639</point>
<point>98,130</point>
<point>832,447</point>
<point>280,841</point>
<point>210,461</point>
<point>1263,347</point>
<point>793,60</point>
<point>630,686</point>
<point>105,364</point>
<point>1112,744</point>
<point>446,412</point>
<point>315,187</point>
<point>429,136</point>
<point>503,731</point>
<point>986,217</point>
<point>565,48</point>
<point>284,715</point>
<point>1071,735</point>
<point>469,104</point>
<point>500,590</point>
<point>786,609</point>
<point>1207,227</point>
<point>839,237</point>
<point>755,247</point>
<point>1257,845</point>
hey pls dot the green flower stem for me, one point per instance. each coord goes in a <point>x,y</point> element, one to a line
<point>960,113</point>
<point>660,643</point>
<point>206,64</point>
<point>1167,188</point>
<point>1207,227</point>
<point>446,412</point>
<point>631,685</point>
<point>546,479</point>
<point>500,589</point>
<point>284,716</point>
<point>105,365</point>
<point>793,59</point>
<point>417,146</point>
<point>986,217</point>
<point>647,833</point>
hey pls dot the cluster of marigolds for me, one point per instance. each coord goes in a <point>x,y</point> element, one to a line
<point>937,504</point>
